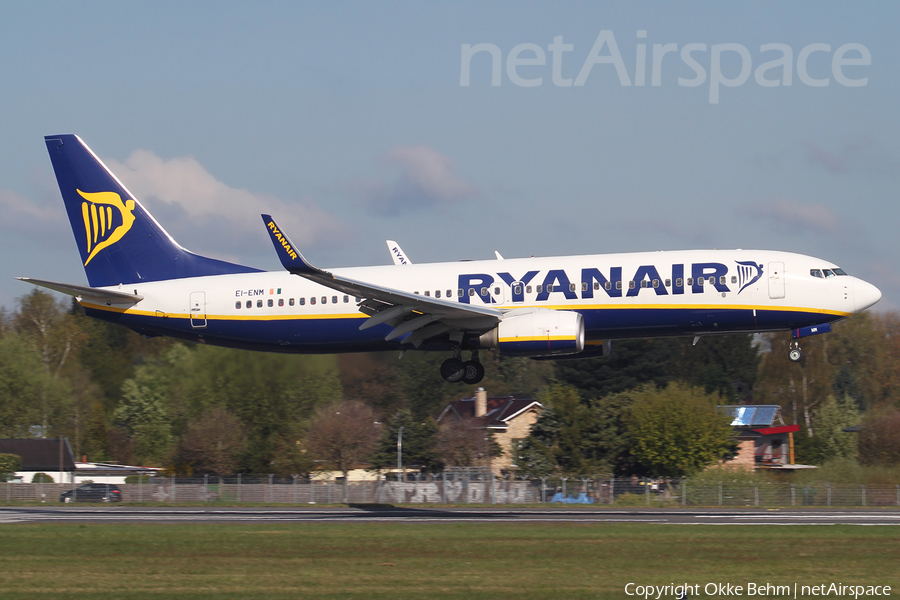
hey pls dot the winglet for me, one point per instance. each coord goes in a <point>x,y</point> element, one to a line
<point>287,252</point>
<point>397,253</point>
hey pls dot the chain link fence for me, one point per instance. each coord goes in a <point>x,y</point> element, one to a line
<point>467,487</point>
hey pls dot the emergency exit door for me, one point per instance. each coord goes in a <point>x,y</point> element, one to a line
<point>776,280</point>
<point>198,309</point>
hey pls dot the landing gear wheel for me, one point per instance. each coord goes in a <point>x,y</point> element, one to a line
<point>473,372</point>
<point>795,353</point>
<point>453,370</point>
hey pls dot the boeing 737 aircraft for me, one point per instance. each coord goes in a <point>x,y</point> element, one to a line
<point>558,307</point>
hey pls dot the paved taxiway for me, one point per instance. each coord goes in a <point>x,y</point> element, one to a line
<point>120,514</point>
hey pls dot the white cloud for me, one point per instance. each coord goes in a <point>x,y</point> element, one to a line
<point>427,179</point>
<point>189,201</point>
<point>796,216</point>
<point>857,154</point>
<point>18,210</point>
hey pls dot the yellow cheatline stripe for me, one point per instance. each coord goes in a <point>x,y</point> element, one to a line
<point>286,317</point>
<point>538,338</point>
<point>802,309</point>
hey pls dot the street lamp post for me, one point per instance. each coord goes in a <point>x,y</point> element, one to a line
<point>400,451</point>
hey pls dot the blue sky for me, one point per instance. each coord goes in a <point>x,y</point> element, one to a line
<point>348,123</point>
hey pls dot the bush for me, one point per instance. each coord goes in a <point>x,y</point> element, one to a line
<point>41,478</point>
<point>137,479</point>
<point>630,499</point>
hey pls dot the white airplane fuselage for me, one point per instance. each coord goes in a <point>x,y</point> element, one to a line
<point>278,311</point>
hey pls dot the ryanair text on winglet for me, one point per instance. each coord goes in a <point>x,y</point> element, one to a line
<point>284,243</point>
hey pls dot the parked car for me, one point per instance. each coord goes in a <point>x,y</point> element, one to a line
<point>93,492</point>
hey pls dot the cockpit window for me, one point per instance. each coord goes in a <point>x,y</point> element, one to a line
<point>839,272</point>
<point>828,273</point>
<point>816,273</point>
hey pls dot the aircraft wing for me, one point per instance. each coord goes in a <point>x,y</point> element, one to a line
<point>86,293</point>
<point>420,316</point>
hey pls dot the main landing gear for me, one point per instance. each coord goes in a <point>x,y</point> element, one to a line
<point>469,372</point>
<point>795,353</point>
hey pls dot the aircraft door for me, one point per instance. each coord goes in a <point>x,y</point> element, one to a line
<point>198,309</point>
<point>776,280</point>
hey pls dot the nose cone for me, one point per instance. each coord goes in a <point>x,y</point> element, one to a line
<point>865,294</point>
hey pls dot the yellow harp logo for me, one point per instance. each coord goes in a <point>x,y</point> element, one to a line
<point>101,226</point>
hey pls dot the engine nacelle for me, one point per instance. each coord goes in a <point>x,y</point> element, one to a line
<point>537,332</point>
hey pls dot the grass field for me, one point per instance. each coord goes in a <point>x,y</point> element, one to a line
<point>472,561</point>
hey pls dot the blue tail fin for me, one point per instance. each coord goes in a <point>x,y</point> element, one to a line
<point>119,241</point>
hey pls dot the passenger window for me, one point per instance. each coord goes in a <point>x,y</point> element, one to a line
<point>437,293</point>
<point>722,280</point>
<point>496,291</point>
<point>656,283</point>
<point>249,303</point>
<point>346,299</point>
<point>597,285</point>
<point>517,290</point>
<point>690,281</point>
<point>583,286</point>
<point>471,291</point>
<point>550,288</point>
<point>734,279</point>
<point>668,283</point>
<point>484,291</point>
<point>428,293</point>
<point>618,285</point>
<point>607,285</point>
<point>539,288</point>
<point>449,293</point>
<point>312,301</point>
<point>527,289</point>
<point>701,280</point>
<point>303,302</point>
<point>281,302</point>
<point>459,292</point>
<point>290,301</point>
<point>572,287</point>
<point>712,280</point>
<point>643,283</point>
<point>259,304</point>
<point>631,284</point>
<point>237,304</point>
<point>679,282</point>
<point>270,303</point>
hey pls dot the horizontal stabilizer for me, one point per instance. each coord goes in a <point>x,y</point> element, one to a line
<point>86,293</point>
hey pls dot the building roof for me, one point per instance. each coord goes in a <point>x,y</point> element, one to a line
<point>40,454</point>
<point>500,411</point>
<point>753,415</point>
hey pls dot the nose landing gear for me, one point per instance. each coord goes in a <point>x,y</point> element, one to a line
<point>795,354</point>
<point>454,369</point>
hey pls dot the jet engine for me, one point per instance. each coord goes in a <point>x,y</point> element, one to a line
<point>537,332</point>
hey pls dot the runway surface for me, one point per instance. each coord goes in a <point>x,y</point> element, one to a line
<point>381,514</point>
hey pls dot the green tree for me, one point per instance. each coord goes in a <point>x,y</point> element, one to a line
<point>9,464</point>
<point>677,430</point>
<point>831,418</point>
<point>21,386</point>
<point>419,444</point>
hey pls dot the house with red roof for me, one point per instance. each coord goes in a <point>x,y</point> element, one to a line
<point>510,419</point>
